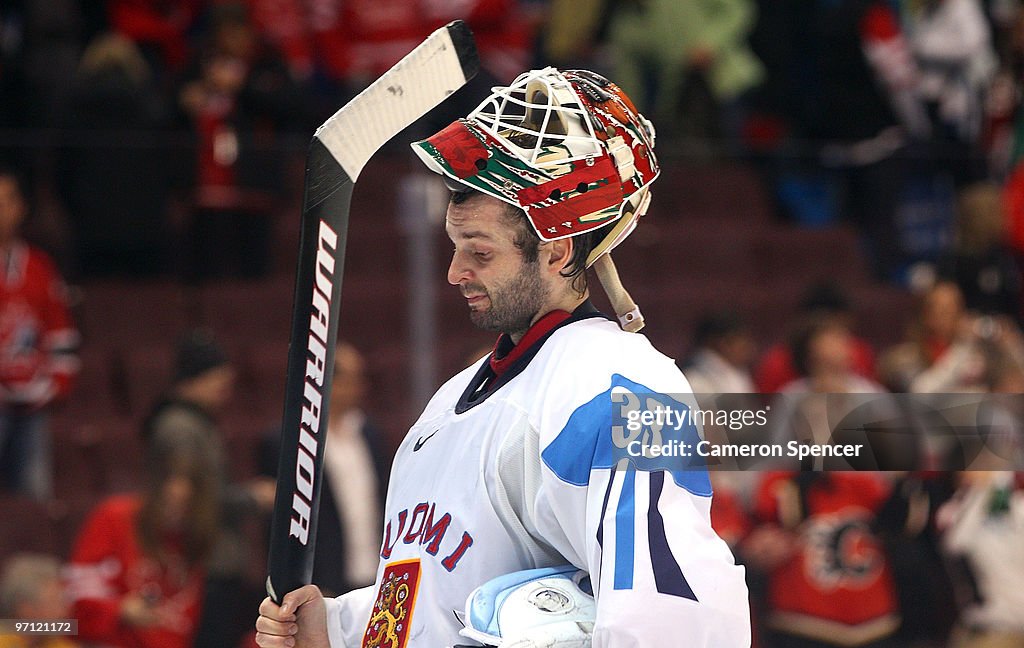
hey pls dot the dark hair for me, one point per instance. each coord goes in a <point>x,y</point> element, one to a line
<point>803,337</point>
<point>825,297</point>
<point>527,241</point>
<point>228,14</point>
<point>190,453</point>
<point>583,245</point>
<point>716,325</point>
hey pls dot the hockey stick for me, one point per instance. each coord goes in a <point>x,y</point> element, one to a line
<point>340,148</point>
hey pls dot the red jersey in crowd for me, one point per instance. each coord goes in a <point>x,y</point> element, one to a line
<point>162,24</point>
<point>837,587</point>
<point>284,25</point>
<point>364,38</point>
<point>108,565</point>
<point>37,338</point>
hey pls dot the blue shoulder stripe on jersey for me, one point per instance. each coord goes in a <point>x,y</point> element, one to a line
<point>594,436</point>
<point>625,533</point>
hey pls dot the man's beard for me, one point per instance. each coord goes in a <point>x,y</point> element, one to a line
<point>514,304</point>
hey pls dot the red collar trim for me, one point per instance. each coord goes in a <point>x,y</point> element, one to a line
<point>540,328</point>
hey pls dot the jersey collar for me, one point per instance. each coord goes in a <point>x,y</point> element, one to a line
<point>506,352</point>
<point>508,360</point>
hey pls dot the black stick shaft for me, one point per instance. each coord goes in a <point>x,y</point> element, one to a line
<point>325,212</point>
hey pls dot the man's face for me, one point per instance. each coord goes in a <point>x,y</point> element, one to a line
<point>504,292</point>
<point>832,350</point>
<point>12,208</point>
<point>944,308</point>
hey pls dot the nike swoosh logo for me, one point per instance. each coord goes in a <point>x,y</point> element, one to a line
<point>420,441</point>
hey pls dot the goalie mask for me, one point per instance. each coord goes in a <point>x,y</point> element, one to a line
<point>567,147</point>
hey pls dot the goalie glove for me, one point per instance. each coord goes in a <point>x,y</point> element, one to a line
<point>551,607</point>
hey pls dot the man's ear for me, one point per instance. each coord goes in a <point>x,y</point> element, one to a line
<point>560,254</point>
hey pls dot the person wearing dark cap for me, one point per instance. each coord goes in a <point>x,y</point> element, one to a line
<point>202,385</point>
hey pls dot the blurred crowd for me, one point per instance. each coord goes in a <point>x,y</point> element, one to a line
<point>178,561</point>
<point>889,558</point>
<point>163,139</point>
<point>881,113</point>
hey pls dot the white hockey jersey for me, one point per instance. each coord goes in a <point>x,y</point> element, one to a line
<point>526,478</point>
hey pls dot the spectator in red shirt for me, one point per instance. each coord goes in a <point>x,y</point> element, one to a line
<point>37,349</point>
<point>159,27</point>
<point>137,570</point>
<point>284,25</point>
<point>238,98</point>
<point>828,579</point>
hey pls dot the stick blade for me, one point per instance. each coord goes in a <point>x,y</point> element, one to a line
<point>425,77</point>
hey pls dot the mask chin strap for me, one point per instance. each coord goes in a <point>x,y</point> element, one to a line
<point>630,317</point>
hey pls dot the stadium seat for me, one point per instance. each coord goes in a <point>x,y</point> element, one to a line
<point>146,372</point>
<point>120,314</point>
<point>247,310</point>
<point>28,525</point>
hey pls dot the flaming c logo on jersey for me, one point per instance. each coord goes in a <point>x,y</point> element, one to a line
<point>841,552</point>
<point>392,612</point>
